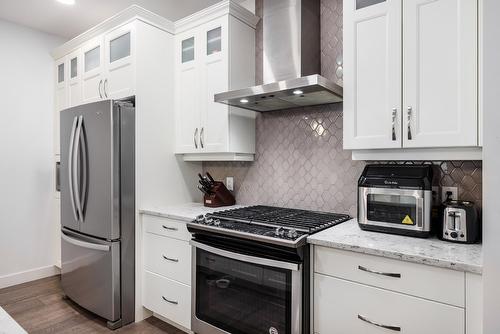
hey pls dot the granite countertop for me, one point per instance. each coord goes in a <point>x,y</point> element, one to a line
<point>430,251</point>
<point>185,212</point>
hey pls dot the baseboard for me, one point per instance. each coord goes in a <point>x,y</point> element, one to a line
<point>28,275</point>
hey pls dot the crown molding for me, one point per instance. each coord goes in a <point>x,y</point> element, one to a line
<point>127,15</point>
<point>226,7</point>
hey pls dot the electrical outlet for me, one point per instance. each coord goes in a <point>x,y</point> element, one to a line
<point>453,190</point>
<point>230,183</point>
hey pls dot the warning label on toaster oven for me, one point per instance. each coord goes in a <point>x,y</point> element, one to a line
<point>407,220</point>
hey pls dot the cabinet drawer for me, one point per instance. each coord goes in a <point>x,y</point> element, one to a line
<point>339,304</point>
<point>167,227</point>
<point>419,280</point>
<point>168,257</point>
<point>167,298</point>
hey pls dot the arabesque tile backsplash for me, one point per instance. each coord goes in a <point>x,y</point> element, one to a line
<point>299,158</point>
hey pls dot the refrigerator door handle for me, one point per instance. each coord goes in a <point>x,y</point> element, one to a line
<point>76,184</point>
<point>85,244</point>
<point>70,167</point>
<point>83,194</point>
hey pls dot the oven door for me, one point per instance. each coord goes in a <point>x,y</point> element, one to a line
<point>395,208</point>
<point>244,294</point>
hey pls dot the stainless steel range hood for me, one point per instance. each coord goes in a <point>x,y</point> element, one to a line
<point>291,61</point>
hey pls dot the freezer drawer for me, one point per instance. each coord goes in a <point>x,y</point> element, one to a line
<point>90,273</point>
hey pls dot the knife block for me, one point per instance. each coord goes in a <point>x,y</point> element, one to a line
<point>220,197</point>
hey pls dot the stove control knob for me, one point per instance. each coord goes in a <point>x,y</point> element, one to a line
<point>216,222</point>
<point>208,220</point>
<point>292,233</point>
<point>279,231</point>
<point>200,219</point>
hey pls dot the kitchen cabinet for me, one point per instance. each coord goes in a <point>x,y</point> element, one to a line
<point>167,269</point>
<point>350,287</point>
<point>74,61</point>
<point>109,65</point>
<point>214,55</point>
<point>410,74</point>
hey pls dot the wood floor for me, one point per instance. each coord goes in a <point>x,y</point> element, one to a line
<point>39,308</point>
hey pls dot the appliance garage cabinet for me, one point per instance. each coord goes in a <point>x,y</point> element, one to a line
<point>411,74</point>
<point>214,52</point>
<point>380,295</point>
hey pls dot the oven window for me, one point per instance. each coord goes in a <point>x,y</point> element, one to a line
<point>392,209</point>
<point>240,297</point>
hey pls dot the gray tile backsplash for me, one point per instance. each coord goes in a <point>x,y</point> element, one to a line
<point>300,161</point>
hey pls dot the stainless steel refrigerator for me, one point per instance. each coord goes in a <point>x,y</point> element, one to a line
<point>98,208</point>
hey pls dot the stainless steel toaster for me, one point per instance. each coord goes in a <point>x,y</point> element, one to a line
<point>460,223</point>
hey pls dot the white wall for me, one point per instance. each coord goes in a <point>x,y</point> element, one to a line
<point>26,153</point>
<point>491,165</point>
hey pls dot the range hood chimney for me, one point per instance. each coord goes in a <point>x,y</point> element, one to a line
<point>292,61</point>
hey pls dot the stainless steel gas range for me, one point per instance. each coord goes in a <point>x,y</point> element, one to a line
<point>251,269</point>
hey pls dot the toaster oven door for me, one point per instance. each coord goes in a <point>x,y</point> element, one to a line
<point>395,208</point>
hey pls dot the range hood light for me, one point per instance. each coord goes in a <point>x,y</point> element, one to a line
<point>244,101</point>
<point>298,92</point>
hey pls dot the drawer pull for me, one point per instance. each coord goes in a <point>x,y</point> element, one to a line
<point>170,228</point>
<point>170,301</point>
<point>170,259</point>
<point>392,328</point>
<point>379,272</point>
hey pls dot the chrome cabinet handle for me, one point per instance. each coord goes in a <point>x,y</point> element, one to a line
<point>105,88</point>
<point>202,137</point>
<point>394,114</point>
<point>379,272</point>
<point>100,93</point>
<point>392,328</point>
<point>170,301</point>
<point>170,228</point>
<point>170,259</point>
<point>409,122</point>
<point>196,138</point>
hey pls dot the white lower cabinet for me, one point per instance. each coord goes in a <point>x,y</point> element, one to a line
<point>167,269</point>
<point>357,293</point>
<point>346,307</point>
<point>168,298</point>
<point>168,257</point>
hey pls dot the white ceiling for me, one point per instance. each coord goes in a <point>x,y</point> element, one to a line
<point>69,21</point>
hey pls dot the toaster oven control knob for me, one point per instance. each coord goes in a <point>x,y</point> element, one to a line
<point>453,235</point>
<point>292,233</point>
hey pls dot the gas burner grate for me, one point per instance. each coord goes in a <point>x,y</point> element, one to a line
<point>303,220</point>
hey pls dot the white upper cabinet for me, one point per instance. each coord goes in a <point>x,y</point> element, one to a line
<point>75,66</point>
<point>410,74</point>
<point>93,68</point>
<point>61,96</point>
<point>440,73</point>
<point>215,52</point>
<point>372,74</point>
<point>119,59</point>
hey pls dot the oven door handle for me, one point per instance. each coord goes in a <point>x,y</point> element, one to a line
<point>247,258</point>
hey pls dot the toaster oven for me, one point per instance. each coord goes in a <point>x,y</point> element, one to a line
<point>396,199</point>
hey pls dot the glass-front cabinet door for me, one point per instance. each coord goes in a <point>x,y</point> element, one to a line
<point>240,297</point>
<point>74,80</point>
<point>92,70</point>
<point>61,96</point>
<point>119,59</point>
<point>214,79</point>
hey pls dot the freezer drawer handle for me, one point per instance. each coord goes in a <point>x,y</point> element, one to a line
<point>379,272</point>
<point>170,228</point>
<point>170,301</point>
<point>170,259</point>
<point>392,328</point>
<point>84,244</point>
